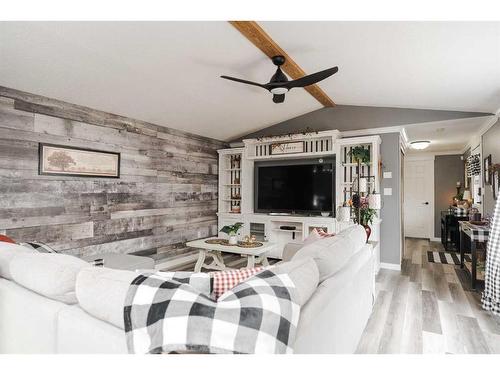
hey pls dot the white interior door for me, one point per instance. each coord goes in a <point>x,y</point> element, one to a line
<point>419,197</point>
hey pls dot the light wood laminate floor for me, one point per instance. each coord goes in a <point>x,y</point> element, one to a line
<point>428,308</point>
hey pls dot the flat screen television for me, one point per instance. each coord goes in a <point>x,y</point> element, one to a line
<point>299,186</point>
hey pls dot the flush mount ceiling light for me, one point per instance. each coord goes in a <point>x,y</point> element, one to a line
<point>420,145</point>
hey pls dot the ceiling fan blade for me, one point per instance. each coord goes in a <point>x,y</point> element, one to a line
<point>311,79</point>
<point>243,81</point>
<point>279,98</point>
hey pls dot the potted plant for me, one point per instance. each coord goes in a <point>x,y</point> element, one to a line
<point>361,154</point>
<point>366,215</point>
<point>232,231</point>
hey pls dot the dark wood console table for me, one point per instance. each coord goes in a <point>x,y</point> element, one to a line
<point>450,229</point>
<point>476,234</point>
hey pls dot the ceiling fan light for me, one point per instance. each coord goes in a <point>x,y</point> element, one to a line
<point>279,90</point>
<point>420,145</point>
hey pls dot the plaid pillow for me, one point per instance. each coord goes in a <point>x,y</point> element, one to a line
<point>226,280</point>
<point>38,246</point>
<point>6,239</point>
<point>324,234</point>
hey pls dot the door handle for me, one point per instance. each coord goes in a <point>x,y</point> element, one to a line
<point>426,202</point>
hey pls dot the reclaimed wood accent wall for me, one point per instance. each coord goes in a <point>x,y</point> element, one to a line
<point>167,193</point>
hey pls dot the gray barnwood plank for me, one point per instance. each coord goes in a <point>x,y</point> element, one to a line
<point>167,193</point>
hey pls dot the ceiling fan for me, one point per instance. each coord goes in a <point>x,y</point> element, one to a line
<point>280,85</point>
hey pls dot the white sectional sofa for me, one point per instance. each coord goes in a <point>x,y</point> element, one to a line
<point>331,321</point>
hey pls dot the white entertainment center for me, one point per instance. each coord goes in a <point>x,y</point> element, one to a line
<point>236,184</point>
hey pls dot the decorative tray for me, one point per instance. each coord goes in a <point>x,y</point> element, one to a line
<point>221,241</point>
<point>479,223</point>
<point>249,245</point>
<point>217,241</point>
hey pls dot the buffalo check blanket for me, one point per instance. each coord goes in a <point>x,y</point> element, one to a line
<point>491,294</point>
<point>259,315</point>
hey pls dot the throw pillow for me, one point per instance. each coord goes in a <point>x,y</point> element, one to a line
<point>9,251</point>
<point>304,274</point>
<point>101,291</point>
<point>38,246</point>
<point>51,275</point>
<point>331,254</point>
<point>6,239</point>
<point>317,234</point>
<point>226,280</point>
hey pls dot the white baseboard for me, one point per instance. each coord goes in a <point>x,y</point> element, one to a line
<point>435,239</point>
<point>390,266</point>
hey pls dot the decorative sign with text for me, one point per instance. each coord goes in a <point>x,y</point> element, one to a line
<point>287,148</point>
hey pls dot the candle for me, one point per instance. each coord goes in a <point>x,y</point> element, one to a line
<point>363,185</point>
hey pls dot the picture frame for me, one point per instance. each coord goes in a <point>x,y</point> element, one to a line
<point>486,170</point>
<point>495,184</point>
<point>59,160</point>
<point>287,148</point>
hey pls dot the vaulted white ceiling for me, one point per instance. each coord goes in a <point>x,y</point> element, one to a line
<point>446,136</point>
<point>168,72</point>
<point>431,65</point>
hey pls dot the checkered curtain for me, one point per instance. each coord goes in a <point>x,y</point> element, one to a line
<point>491,294</point>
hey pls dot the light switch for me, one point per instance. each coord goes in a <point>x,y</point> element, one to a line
<point>387,174</point>
<point>387,191</point>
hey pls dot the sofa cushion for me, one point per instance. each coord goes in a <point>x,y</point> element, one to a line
<point>101,292</point>
<point>331,254</point>
<point>304,274</point>
<point>7,252</point>
<point>51,275</point>
<point>38,247</point>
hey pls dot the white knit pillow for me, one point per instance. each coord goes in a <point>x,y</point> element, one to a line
<point>51,275</point>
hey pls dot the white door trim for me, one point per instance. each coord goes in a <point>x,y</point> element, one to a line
<point>430,226</point>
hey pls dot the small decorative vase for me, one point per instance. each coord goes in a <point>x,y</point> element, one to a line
<point>233,240</point>
<point>368,232</point>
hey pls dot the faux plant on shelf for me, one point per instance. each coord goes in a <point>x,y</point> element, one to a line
<point>359,153</point>
<point>231,231</point>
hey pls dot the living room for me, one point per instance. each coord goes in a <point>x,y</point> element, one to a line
<point>258,187</point>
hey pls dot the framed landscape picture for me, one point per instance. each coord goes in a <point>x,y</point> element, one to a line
<point>486,170</point>
<point>74,161</point>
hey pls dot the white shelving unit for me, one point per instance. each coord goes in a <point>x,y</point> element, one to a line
<point>347,169</point>
<point>267,227</point>
<point>230,180</point>
<point>347,172</point>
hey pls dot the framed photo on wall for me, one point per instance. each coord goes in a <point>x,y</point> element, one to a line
<point>486,170</point>
<point>495,183</point>
<point>75,161</point>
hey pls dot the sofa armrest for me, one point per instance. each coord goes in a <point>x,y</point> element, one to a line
<point>291,249</point>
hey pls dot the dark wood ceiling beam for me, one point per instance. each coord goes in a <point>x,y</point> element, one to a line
<point>256,34</point>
